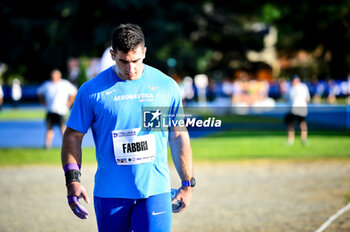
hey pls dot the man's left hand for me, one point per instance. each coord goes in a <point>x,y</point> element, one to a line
<point>184,196</point>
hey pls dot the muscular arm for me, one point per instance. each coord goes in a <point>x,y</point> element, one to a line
<point>181,152</point>
<point>70,154</point>
<point>71,147</point>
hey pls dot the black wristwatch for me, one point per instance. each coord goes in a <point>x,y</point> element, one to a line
<point>189,183</point>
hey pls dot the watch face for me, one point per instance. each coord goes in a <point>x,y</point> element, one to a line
<point>193,182</point>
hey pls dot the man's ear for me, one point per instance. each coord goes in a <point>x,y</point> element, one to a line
<point>112,54</point>
<point>144,52</point>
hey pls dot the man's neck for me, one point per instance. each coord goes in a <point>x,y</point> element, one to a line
<point>121,76</point>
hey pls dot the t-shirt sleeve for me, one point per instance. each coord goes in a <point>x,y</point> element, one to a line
<point>41,89</point>
<point>71,89</point>
<point>82,113</point>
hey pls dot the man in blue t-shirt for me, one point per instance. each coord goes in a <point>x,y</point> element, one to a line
<point>132,182</point>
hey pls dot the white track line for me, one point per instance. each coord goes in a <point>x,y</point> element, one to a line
<point>333,217</point>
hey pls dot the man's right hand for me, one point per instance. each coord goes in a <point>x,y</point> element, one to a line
<point>75,191</point>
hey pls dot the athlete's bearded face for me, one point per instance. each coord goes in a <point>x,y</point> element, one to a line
<point>129,66</point>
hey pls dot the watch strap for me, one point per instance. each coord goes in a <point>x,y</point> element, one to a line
<point>189,183</point>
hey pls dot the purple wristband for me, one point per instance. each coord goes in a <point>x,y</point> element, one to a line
<point>71,166</point>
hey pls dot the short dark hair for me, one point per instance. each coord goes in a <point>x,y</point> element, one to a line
<point>127,37</point>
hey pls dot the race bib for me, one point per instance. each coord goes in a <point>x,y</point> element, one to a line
<point>130,149</point>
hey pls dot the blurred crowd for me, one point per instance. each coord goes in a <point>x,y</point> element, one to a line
<point>247,91</point>
<point>242,89</point>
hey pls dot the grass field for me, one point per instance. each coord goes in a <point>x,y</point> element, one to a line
<point>225,146</point>
<point>22,114</point>
<point>258,145</point>
<point>228,146</point>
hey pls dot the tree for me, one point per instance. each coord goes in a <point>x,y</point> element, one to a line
<point>309,25</point>
<point>201,35</point>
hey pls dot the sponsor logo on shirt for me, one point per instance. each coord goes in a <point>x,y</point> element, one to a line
<point>153,87</point>
<point>142,97</point>
<point>125,133</point>
<point>109,92</point>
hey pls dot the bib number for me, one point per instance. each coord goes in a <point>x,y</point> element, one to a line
<point>130,149</point>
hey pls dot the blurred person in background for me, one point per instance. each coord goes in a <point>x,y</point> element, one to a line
<point>333,91</point>
<point>316,90</point>
<point>283,87</point>
<point>16,92</point>
<point>73,70</point>
<point>57,95</point>
<point>106,60</point>
<point>186,89</point>
<point>240,96</point>
<point>1,97</point>
<point>348,89</point>
<point>298,97</point>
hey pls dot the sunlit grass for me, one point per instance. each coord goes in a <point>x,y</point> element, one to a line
<point>253,145</point>
<point>31,156</point>
<point>22,114</point>
<point>228,146</point>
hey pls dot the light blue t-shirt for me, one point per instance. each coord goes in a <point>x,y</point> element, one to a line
<point>107,103</point>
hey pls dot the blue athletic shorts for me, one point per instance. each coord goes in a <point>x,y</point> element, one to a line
<point>125,215</point>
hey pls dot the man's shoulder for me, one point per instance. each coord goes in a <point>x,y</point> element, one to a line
<point>44,86</point>
<point>66,82</point>
<point>303,86</point>
<point>159,75</point>
<point>46,83</point>
<point>155,71</point>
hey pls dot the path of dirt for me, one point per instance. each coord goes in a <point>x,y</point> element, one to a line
<point>247,196</point>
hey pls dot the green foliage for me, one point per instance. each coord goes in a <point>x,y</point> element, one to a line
<point>204,61</point>
<point>270,13</point>
<point>83,68</point>
<point>15,76</point>
<point>36,40</point>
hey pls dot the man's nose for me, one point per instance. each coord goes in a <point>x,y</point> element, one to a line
<point>130,67</point>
